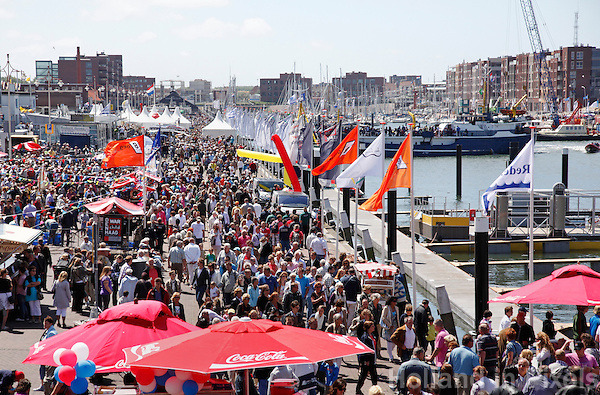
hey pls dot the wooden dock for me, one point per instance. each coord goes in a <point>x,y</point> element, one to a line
<point>556,261</point>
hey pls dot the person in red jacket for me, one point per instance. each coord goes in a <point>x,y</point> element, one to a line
<point>158,292</point>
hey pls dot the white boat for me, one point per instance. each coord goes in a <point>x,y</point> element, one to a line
<point>565,131</point>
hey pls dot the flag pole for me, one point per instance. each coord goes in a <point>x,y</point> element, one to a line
<point>356,204</point>
<point>382,208</point>
<point>337,223</point>
<point>144,181</point>
<point>413,277</point>
<point>531,245</point>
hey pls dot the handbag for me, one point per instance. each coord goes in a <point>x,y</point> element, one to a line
<point>11,299</point>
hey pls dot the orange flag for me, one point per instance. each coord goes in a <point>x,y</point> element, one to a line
<point>120,153</point>
<point>346,152</point>
<point>397,176</point>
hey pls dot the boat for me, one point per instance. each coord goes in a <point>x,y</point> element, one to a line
<point>592,148</point>
<point>477,135</point>
<point>567,132</point>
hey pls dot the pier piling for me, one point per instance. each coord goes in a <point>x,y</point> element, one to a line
<point>445,309</point>
<point>565,167</point>
<point>458,172</point>
<point>482,287</point>
<point>391,238</point>
<point>346,199</point>
<point>368,245</point>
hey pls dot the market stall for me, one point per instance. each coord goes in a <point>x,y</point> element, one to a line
<point>383,279</point>
<point>13,240</point>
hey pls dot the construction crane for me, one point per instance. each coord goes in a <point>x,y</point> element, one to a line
<point>540,56</point>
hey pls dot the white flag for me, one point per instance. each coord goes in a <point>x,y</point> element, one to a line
<point>516,177</point>
<point>369,163</point>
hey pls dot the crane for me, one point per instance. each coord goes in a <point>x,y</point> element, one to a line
<point>540,56</point>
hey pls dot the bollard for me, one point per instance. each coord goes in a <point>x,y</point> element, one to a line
<point>347,235</point>
<point>445,309</point>
<point>565,167</point>
<point>391,228</point>
<point>368,245</point>
<point>402,290</point>
<point>513,150</point>
<point>458,172</point>
<point>328,211</point>
<point>482,291</point>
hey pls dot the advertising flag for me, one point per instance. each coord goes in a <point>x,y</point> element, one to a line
<point>369,163</point>
<point>516,177</point>
<point>346,152</point>
<point>121,153</point>
<point>396,176</point>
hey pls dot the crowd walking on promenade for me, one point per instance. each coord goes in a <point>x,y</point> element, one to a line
<point>206,232</point>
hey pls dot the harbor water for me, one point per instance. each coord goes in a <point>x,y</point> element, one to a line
<point>436,177</point>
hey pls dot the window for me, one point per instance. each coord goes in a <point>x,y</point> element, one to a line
<point>572,74</point>
<point>572,64</point>
<point>572,55</point>
<point>579,64</point>
<point>579,55</point>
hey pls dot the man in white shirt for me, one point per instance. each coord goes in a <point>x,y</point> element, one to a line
<point>192,255</point>
<point>181,217</point>
<point>257,208</point>
<point>319,245</point>
<point>198,229</point>
<point>505,322</point>
<point>87,244</point>
<point>482,383</point>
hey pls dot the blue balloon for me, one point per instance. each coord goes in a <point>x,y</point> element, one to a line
<point>79,385</point>
<point>161,380</point>
<point>85,368</point>
<point>56,374</point>
<point>189,387</point>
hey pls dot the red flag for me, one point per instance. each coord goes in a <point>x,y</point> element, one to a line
<point>397,176</point>
<point>121,153</point>
<point>346,152</point>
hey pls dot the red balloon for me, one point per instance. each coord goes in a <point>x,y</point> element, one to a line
<point>67,374</point>
<point>200,377</point>
<point>68,357</point>
<point>144,376</point>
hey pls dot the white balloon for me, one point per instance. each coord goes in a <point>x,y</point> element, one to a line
<point>148,388</point>
<point>56,355</point>
<point>81,350</point>
<point>183,375</point>
<point>173,386</point>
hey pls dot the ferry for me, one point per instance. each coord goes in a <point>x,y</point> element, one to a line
<point>477,135</point>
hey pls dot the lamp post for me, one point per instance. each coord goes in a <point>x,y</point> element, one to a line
<point>585,98</point>
<point>8,70</point>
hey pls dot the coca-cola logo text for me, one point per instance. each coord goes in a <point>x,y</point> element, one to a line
<point>263,356</point>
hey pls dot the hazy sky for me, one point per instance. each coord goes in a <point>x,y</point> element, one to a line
<point>187,39</point>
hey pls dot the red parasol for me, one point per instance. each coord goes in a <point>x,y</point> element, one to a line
<point>244,344</point>
<point>28,146</point>
<point>375,269</point>
<point>570,285</point>
<point>105,205</point>
<point>119,327</point>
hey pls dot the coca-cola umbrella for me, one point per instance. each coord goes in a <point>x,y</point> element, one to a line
<point>570,285</point>
<point>243,344</point>
<point>119,327</point>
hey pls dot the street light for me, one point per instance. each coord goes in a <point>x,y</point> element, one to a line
<point>585,98</point>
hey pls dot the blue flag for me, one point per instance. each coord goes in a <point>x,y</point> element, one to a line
<point>155,147</point>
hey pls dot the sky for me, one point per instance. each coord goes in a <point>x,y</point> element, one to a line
<point>253,39</point>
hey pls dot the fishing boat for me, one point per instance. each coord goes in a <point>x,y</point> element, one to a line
<point>592,148</point>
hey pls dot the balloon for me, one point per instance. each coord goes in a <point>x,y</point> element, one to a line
<point>161,380</point>
<point>68,357</point>
<point>79,385</point>
<point>67,374</point>
<point>189,387</point>
<point>56,374</point>
<point>85,368</point>
<point>144,376</point>
<point>148,388</point>
<point>81,350</point>
<point>183,375</point>
<point>173,386</point>
<point>56,355</point>
<point>160,372</point>
<point>200,377</point>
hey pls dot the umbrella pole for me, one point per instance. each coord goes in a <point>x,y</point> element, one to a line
<point>247,381</point>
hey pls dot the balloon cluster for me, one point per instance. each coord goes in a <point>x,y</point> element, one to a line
<point>176,382</point>
<point>74,367</point>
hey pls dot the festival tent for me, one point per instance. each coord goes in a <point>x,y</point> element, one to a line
<point>218,128</point>
<point>165,118</point>
<point>180,120</point>
<point>109,204</point>
<point>154,112</point>
<point>575,285</point>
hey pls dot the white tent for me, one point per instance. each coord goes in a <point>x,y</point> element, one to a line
<point>165,118</point>
<point>180,120</point>
<point>218,128</point>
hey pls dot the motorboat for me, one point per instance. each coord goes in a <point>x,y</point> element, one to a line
<point>592,148</point>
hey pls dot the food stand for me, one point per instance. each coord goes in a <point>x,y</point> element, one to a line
<point>13,240</point>
<point>383,279</point>
<point>114,220</point>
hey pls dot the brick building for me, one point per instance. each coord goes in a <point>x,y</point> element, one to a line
<point>271,89</point>
<point>358,84</point>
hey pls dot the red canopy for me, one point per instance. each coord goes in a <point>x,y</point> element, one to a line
<point>375,269</point>
<point>244,344</point>
<point>119,327</point>
<point>106,205</point>
<point>28,146</point>
<point>569,285</point>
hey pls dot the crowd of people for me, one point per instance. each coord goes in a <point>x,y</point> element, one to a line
<point>206,231</point>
